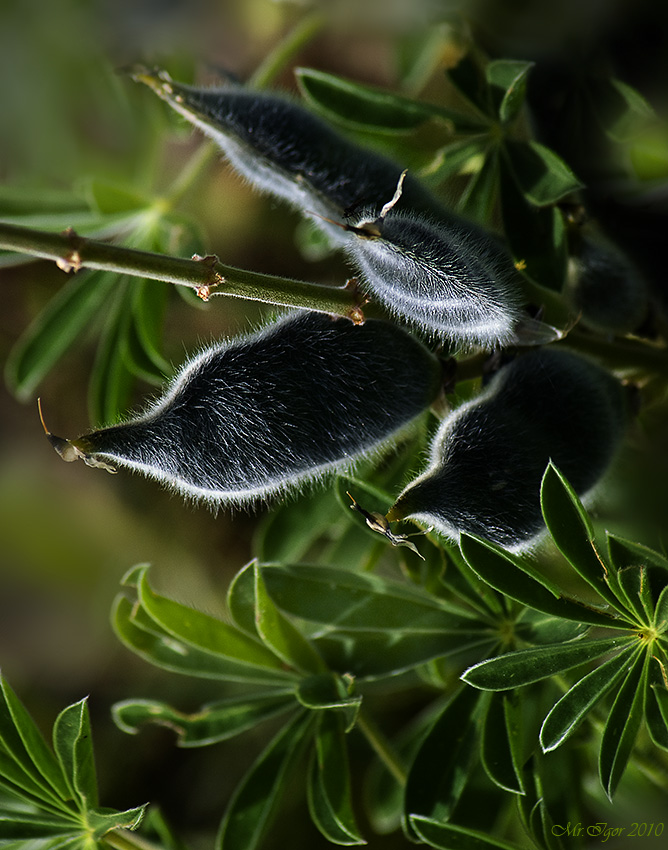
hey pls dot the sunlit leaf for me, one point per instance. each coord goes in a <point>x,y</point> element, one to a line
<point>73,744</point>
<point>203,631</point>
<point>258,795</point>
<point>622,726</point>
<point>165,651</point>
<point>280,634</point>
<point>212,723</point>
<point>566,715</point>
<point>25,758</point>
<point>525,666</point>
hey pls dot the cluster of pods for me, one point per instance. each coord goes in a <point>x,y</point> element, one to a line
<point>311,394</point>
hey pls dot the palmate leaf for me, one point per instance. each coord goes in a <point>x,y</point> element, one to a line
<point>566,715</point>
<point>53,795</point>
<point>259,793</point>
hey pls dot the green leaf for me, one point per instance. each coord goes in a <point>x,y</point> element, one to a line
<point>203,631</point>
<point>442,765</point>
<point>25,826</point>
<point>376,655</point>
<point>100,821</point>
<point>567,714</point>
<point>28,761</point>
<point>241,598</point>
<point>572,531</point>
<point>661,612</point>
<point>634,585</point>
<point>286,534</point>
<point>282,636</point>
<point>656,720</point>
<point>329,691</point>
<point>518,580</point>
<point>163,650</point>
<point>536,236</point>
<point>64,318</point>
<point>111,380</point>
<point>542,176</point>
<point>149,302</point>
<point>108,198</point>
<point>501,744</point>
<point>507,79</point>
<point>448,836</point>
<point>525,666</point>
<point>623,111</point>
<point>622,726</point>
<point>73,744</point>
<point>328,784</point>
<point>258,795</point>
<point>469,79</point>
<point>627,553</point>
<point>458,157</point>
<point>363,107</point>
<point>477,201</point>
<point>215,722</point>
<point>349,601</point>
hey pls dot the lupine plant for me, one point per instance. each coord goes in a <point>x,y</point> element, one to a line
<point>432,444</point>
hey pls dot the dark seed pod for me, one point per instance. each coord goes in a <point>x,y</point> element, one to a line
<point>266,412</point>
<point>429,266</point>
<point>287,151</point>
<point>607,289</point>
<point>451,280</point>
<point>489,455</point>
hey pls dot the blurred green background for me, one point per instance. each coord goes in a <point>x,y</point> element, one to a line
<point>68,113</point>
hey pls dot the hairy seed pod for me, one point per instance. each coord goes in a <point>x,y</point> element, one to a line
<point>429,266</point>
<point>453,281</point>
<point>607,289</point>
<point>264,413</point>
<point>489,455</point>
<point>283,149</point>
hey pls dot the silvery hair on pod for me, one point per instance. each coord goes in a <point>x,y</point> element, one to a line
<point>264,413</point>
<point>489,455</point>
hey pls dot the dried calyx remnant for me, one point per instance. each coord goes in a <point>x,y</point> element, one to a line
<point>429,267</point>
<point>264,413</point>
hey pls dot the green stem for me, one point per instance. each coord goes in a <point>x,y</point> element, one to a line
<point>72,252</point>
<point>275,61</point>
<point>619,353</point>
<point>382,747</point>
<point>123,839</point>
